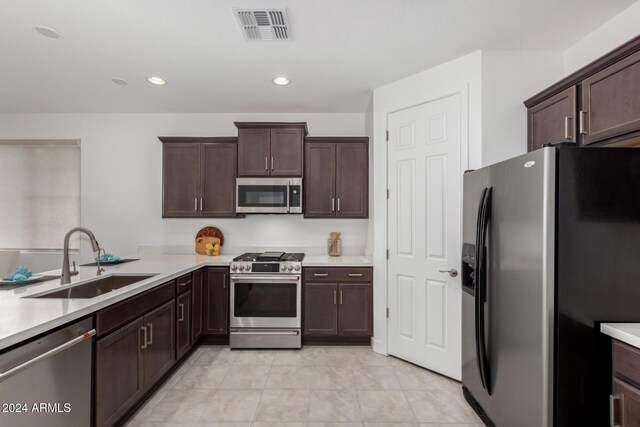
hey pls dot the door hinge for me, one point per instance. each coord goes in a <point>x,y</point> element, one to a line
<point>387,135</point>
<point>387,312</point>
<point>387,253</point>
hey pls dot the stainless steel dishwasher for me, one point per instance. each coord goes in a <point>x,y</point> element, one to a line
<point>47,381</point>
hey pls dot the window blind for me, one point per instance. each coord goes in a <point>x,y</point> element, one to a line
<point>39,193</point>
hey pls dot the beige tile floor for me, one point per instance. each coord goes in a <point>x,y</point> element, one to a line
<point>315,387</point>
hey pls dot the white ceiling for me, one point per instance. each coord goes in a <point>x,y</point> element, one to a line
<point>342,49</point>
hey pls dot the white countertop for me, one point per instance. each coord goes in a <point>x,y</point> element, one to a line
<point>23,318</point>
<point>626,332</point>
<point>338,261</point>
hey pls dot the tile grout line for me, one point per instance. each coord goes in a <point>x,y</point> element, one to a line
<point>404,394</point>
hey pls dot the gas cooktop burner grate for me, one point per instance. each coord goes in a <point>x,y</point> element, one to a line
<point>270,257</point>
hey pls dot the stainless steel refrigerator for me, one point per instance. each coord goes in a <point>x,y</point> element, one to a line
<point>551,248</point>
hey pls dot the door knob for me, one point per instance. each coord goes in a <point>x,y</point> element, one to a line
<point>453,272</point>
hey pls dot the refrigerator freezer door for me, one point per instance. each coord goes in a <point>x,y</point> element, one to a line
<point>475,184</point>
<point>518,311</point>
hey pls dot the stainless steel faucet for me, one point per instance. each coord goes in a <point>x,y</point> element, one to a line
<point>66,273</point>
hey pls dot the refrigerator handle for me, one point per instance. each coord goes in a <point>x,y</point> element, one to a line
<point>476,282</point>
<point>482,290</point>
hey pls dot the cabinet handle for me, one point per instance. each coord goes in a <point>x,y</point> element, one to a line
<point>180,312</point>
<point>338,204</point>
<point>335,297</point>
<point>340,296</point>
<point>150,325</point>
<point>266,163</point>
<point>613,413</point>
<point>583,118</point>
<point>333,205</point>
<point>144,341</point>
<point>200,204</point>
<point>320,274</point>
<point>195,201</point>
<point>566,127</point>
<point>355,274</point>
<point>224,281</point>
<point>188,282</point>
<point>271,163</point>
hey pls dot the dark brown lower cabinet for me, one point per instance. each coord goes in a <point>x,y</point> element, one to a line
<point>320,308</point>
<point>118,373</point>
<point>338,304</point>
<point>131,360</point>
<point>196,306</point>
<point>354,313</point>
<point>159,353</point>
<point>216,301</point>
<point>628,408</point>
<point>183,324</point>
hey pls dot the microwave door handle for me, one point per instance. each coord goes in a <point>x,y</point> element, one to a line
<point>288,195</point>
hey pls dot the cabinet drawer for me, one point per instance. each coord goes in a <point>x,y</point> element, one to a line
<point>626,362</point>
<point>123,312</point>
<point>338,274</point>
<point>184,283</point>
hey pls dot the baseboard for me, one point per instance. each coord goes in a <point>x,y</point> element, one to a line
<point>379,346</point>
<point>334,340</point>
<point>214,340</point>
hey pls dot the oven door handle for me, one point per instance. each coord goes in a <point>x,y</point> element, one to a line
<point>265,332</point>
<point>265,278</point>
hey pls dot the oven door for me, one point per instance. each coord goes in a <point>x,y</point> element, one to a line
<point>262,195</point>
<point>265,301</point>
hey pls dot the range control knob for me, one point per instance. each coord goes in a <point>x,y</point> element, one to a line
<point>283,267</point>
<point>296,268</point>
<point>290,268</point>
<point>241,267</point>
<point>248,268</point>
<point>234,267</point>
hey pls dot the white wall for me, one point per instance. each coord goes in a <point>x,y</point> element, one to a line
<point>508,78</point>
<point>460,75</point>
<point>608,36</point>
<point>121,180</point>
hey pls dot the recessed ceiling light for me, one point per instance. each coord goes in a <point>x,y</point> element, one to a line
<point>281,81</point>
<point>155,80</point>
<point>48,32</point>
<point>120,81</point>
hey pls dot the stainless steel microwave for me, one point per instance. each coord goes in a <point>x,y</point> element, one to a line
<point>269,195</point>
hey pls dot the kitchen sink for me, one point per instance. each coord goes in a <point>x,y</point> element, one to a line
<point>94,287</point>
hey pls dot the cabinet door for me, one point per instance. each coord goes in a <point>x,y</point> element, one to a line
<point>180,179</point>
<point>160,351</point>
<point>355,309</point>
<point>628,411</point>
<point>253,152</point>
<point>196,306</point>
<point>219,163</point>
<point>352,180</point>
<point>183,324</point>
<point>286,152</point>
<point>216,302</point>
<point>611,101</point>
<point>319,179</point>
<point>320,309</point>
<point>553,120</point>
<point>118,373</point>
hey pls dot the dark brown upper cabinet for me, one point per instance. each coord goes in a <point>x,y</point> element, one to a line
<point>611,101</point>
<point>199,177</point>
<point>553,120</point>
<point>598,104</point>
<point>270,149</point>
<point>336,178</point>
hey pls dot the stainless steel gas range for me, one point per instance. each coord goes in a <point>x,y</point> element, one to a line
<point>266,300</point>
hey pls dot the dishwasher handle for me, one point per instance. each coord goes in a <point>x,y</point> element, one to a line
<point>13,371</point>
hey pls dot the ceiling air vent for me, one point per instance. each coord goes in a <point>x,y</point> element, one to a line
<point>264,24</point>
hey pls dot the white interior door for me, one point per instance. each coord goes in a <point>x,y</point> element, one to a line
<point>424,208</point>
